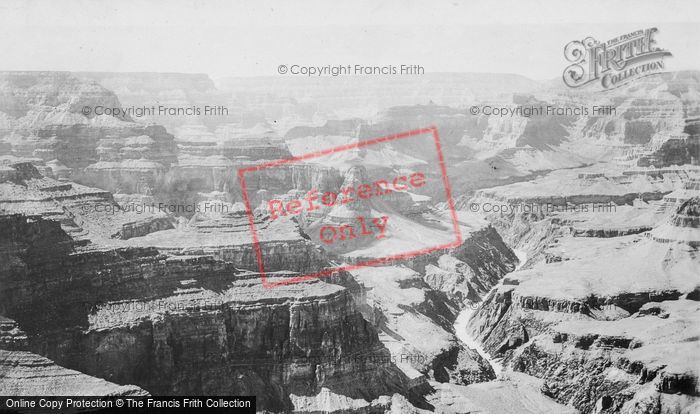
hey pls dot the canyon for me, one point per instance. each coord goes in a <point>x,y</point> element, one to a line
<point>572,284</point>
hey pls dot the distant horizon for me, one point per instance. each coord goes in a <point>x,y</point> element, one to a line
<point>300,78</point>
<point>284,76</point>
<point>238,39</point>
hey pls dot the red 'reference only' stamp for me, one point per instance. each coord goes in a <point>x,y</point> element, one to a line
<point>361,213</point>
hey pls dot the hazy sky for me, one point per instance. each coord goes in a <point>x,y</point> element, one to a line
<point>236,38</point>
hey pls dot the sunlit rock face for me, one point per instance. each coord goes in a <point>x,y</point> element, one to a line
<point>582,320</point>
<point>604,295</point>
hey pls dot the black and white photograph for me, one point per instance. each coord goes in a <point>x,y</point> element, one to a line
<point>324,206</point>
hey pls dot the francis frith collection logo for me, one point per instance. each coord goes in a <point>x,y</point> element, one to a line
<point>616,62</point>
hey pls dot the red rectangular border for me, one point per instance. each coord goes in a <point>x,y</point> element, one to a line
<point>251,220</point>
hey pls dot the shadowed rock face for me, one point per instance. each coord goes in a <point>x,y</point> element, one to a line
<point>544,132</point>
<point>638,132</point>
<point>25,373</point>
<point>269,344</point>
<point>677,151</point>
<point>28,374</point>
<point>115,314</point>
